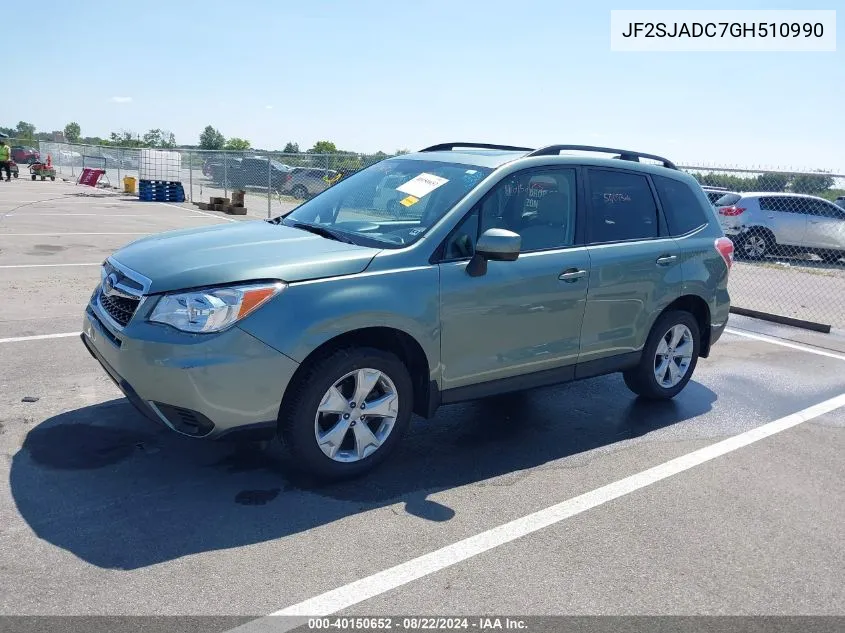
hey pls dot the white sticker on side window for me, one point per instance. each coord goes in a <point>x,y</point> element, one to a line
<point>422,185</point>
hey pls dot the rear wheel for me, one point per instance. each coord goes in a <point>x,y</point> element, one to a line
<point>669,357</point>
<point>756,244</point>
<point>346,413</point>
<point>300,192</point>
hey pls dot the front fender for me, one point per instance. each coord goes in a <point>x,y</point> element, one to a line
<point>308,314</point>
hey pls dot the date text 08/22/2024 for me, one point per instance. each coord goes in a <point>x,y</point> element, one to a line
<point>417,623</point>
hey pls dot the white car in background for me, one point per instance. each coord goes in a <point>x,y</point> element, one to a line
<point>762,224</point>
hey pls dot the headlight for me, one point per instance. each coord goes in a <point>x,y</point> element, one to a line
<point>212,309</point>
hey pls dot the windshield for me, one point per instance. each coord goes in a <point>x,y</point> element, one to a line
<point>279,165</point>
<point>393,203</point>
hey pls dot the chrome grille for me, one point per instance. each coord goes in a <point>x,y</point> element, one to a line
<point>120,293</point>
<point>119,308</point>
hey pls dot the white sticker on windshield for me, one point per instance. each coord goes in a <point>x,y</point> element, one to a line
<point>422,185</point>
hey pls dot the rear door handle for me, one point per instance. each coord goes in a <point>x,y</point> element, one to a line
<point>571,275</point>
<point>663,260</point>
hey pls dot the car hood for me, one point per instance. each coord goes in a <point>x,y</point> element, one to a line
<point>241,251</point>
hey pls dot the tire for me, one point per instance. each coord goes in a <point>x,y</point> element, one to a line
<point>34,176</point>
<point>642,379</point>
<point>831,258</point>
<point>756,244</point>
<point>299,192</point>
<point>298,417</point>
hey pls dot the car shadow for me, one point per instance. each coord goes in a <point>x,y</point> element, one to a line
<point>117,491</point>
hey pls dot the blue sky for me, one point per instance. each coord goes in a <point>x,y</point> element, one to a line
<point>380,75</point>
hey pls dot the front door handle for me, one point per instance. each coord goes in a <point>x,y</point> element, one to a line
<point>571,275</point>
<point>663,260</point>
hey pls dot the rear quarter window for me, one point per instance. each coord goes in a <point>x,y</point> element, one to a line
<point>681,206</point>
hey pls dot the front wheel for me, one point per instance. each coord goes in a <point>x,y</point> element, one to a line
<point>669,357</point>
<point>346,413</point>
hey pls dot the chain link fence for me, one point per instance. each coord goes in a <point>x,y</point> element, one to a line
<point>274,182</point>
<point>788,226</point>
<point>788,229</point>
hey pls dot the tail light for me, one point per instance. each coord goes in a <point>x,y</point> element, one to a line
<point>726,250</point>
<point>731,211</point>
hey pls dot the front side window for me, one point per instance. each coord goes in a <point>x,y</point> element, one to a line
<point>392,203</point>
<point>622,207</point>
<point>824,209</point>
<point>539,205</point>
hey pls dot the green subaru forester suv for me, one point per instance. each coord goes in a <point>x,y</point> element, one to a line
<point>453,273</point>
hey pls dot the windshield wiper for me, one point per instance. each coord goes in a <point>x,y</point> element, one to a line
<point>322,231</point>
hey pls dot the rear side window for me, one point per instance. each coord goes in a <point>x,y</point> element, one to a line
<point>680,205</point>
<point>621,207</point>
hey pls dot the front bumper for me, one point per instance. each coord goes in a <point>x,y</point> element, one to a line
<point>206,386</point>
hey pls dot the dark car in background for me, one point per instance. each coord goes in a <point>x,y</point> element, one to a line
<point>714,193</point>
<point>305,182</point>
<point>251,172</point>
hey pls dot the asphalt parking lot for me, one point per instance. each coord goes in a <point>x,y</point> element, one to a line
<point>573,500</point>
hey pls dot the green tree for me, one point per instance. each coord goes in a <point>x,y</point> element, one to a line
<point>772,182</point>
<point>211,138</point>
<point>25,130</point>
<point>160,139</point>
<point>73,132</point>
<point>812,184</point>
<point>239,144</point>
<point>323,147</point>
<point>291,148</point>
<point>399,152</point>
<point>125,138</point>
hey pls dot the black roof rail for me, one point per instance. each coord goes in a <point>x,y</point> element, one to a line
<point>446,147</point>
<point>624,154</point>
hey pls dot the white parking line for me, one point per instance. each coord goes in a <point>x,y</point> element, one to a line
<point>96,215</point>
<point>48,265</point>
<point>66,234</point>
<point>211,215</point>
<point>389,579</point>
<point>39,337</point>
<point>775,341</point>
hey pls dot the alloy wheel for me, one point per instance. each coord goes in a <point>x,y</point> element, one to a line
<point>356,415</point>
<point>673,357</point>
<point>755,246</point>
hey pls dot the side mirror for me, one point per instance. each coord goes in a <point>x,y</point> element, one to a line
<point>494,245</point>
